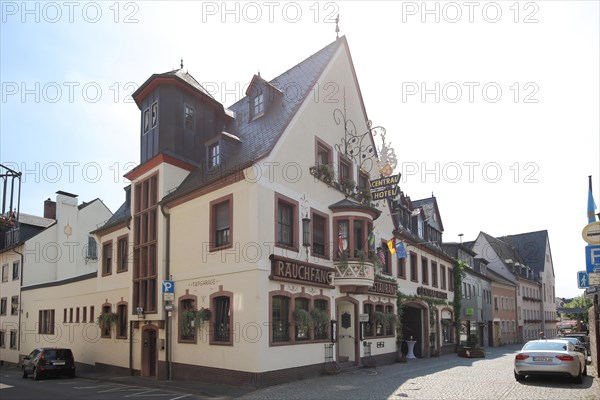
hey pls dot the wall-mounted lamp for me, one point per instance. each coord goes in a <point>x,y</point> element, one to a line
<point>140,312</point>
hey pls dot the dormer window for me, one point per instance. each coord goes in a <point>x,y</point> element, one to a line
<point>189,117</point>
<point>214,154</point>
<point>154,114</point>
<point>258,106</point>
<point>146,120</point>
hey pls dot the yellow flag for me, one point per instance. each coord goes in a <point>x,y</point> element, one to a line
<point>391,246</point>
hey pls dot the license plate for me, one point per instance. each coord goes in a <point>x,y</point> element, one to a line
<point>58,363</point>
<point>542,359</point>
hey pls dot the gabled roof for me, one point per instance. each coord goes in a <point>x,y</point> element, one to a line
<point>504,250</point>
<point>429,206</point>
<point>259,136</point>
<point>494,276</point>
<point>121,216</point>
<point>531,247</point>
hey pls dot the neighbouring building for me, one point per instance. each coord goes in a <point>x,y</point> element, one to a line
<point>425,277</point>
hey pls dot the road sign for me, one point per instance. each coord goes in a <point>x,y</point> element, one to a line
<point>363,317</point>
<point>169,286</point>
<point>594,279</point>
<point>583,280</point>
<point>592,259</point>
<point>591,233</point>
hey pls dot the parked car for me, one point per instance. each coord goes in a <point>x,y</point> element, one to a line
<point>550,357</point>
<point>583,338</point>
<point>46,361</point>
<point>578,345</point>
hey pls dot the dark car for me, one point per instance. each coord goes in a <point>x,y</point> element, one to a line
<point>580,347</point>
<point>583,338</point>
<point>47,361</point>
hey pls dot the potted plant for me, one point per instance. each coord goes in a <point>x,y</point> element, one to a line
<point>347,184</point>
<point>320,319</point>
<point>324,172</point>
<point>472,348</point>
<point>202,315</point>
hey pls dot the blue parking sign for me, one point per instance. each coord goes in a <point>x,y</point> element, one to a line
<point>592,259</point>
<point>168,287</point>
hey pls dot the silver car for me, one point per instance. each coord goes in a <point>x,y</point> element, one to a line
<point>550,357</point>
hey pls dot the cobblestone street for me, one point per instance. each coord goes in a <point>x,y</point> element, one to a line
<point>446,377</point>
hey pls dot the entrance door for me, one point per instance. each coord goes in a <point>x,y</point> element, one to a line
<point>149,337</point>
<point>347,332</point>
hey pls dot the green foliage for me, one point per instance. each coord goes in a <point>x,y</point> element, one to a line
<point>579,302</point>
<point>301,318</point>
<point>458,275</point>
<point>399,313</point>
<point>473,341</point>
<point>326,172</point>
<point>106,319</point>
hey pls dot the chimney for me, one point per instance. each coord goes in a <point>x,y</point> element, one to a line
<point>50,209</point>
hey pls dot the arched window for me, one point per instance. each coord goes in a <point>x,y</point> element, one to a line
<point>122,321</point>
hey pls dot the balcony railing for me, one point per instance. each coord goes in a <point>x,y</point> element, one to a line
<point>360,274</point>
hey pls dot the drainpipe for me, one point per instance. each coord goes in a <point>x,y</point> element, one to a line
<point>20,296</point>
<point>165,212</point>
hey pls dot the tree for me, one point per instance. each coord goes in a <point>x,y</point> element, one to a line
<point>580,302</point>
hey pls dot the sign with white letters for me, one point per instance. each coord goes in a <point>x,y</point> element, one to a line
<point>168,287</point>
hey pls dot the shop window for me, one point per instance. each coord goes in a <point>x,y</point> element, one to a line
<point>222,319</point>
<point>321,325</point>
<point>301,319</point>
<point>280,319</point>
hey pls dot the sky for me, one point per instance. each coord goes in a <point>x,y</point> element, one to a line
<point>491,106</point>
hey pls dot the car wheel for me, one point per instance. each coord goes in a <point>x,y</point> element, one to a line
<point>578,378</point>
<point>24,373</point>
<point>519,377</point>
<point>36,375</point>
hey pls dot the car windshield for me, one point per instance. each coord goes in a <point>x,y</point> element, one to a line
<point>61,354</point>
<point>543,345</point>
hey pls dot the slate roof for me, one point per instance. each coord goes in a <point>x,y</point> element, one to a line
<point>259,136</point>
<point>504,250</point>
<point>348,203</point>
<point>123,214</point>
<point>496,277</point>
<point>531,247</point>
<point>429,206</point>
<point>179,74</point>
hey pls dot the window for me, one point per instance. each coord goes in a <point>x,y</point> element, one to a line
<point>3,305</point>
<point>105,321</point>
<point>14,305</point>
<point>121,321</point>
<point>122,254</point>
<point>146,121</point>
<point>2,339</point>
<point>286,218</point>
<point>84,316</point>
<point>434,274</point>
<point>280,329</point>
<point>389,322</point>
<point>344,170</point>
<point>323,153</point>
<point>353,234</point>
<point>5,273</point>
<point>65,316</point>
<point>92,252</point>
<point>301,319</point>
<point>71,314</point>
<point>91,314</point>
<point>188,117</point>
<point>187,313</point>
<point>413,268</point>
<point>221,222</point>
<point>13,339</point>
<point>363,181</point>
<point>222,319</point>
<point>369,326</point>
<point>379,323</point>
<point>321,326</point>
<point>107,258</point>
<point>442,277</point>
<point>258,106</point>
<point>77,314</point>
<point>46,322</point>
<point>144,251</point>
<point>424,271</point>
<point>154,114</point>
<point>214,154</point>
<point>402,268</point>
<point>450,279</point>
<point>319,234</point>
<point>15,271</point>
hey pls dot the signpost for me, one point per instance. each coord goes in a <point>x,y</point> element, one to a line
<point>591,233</point>
<point>592,259</point>
<point>583,280</point>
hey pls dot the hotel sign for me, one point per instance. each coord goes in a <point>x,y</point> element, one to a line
<point>384,287</point>
<point>384,188</point>
<point>296,271</point>
<point>423,291</point>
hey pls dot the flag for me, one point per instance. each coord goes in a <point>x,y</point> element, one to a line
<point>340,241</point>
<point>591,204</point>
<point>381,256</point>
<point>400,250</point>
<point>391,246</point>
<point>371,240</point>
